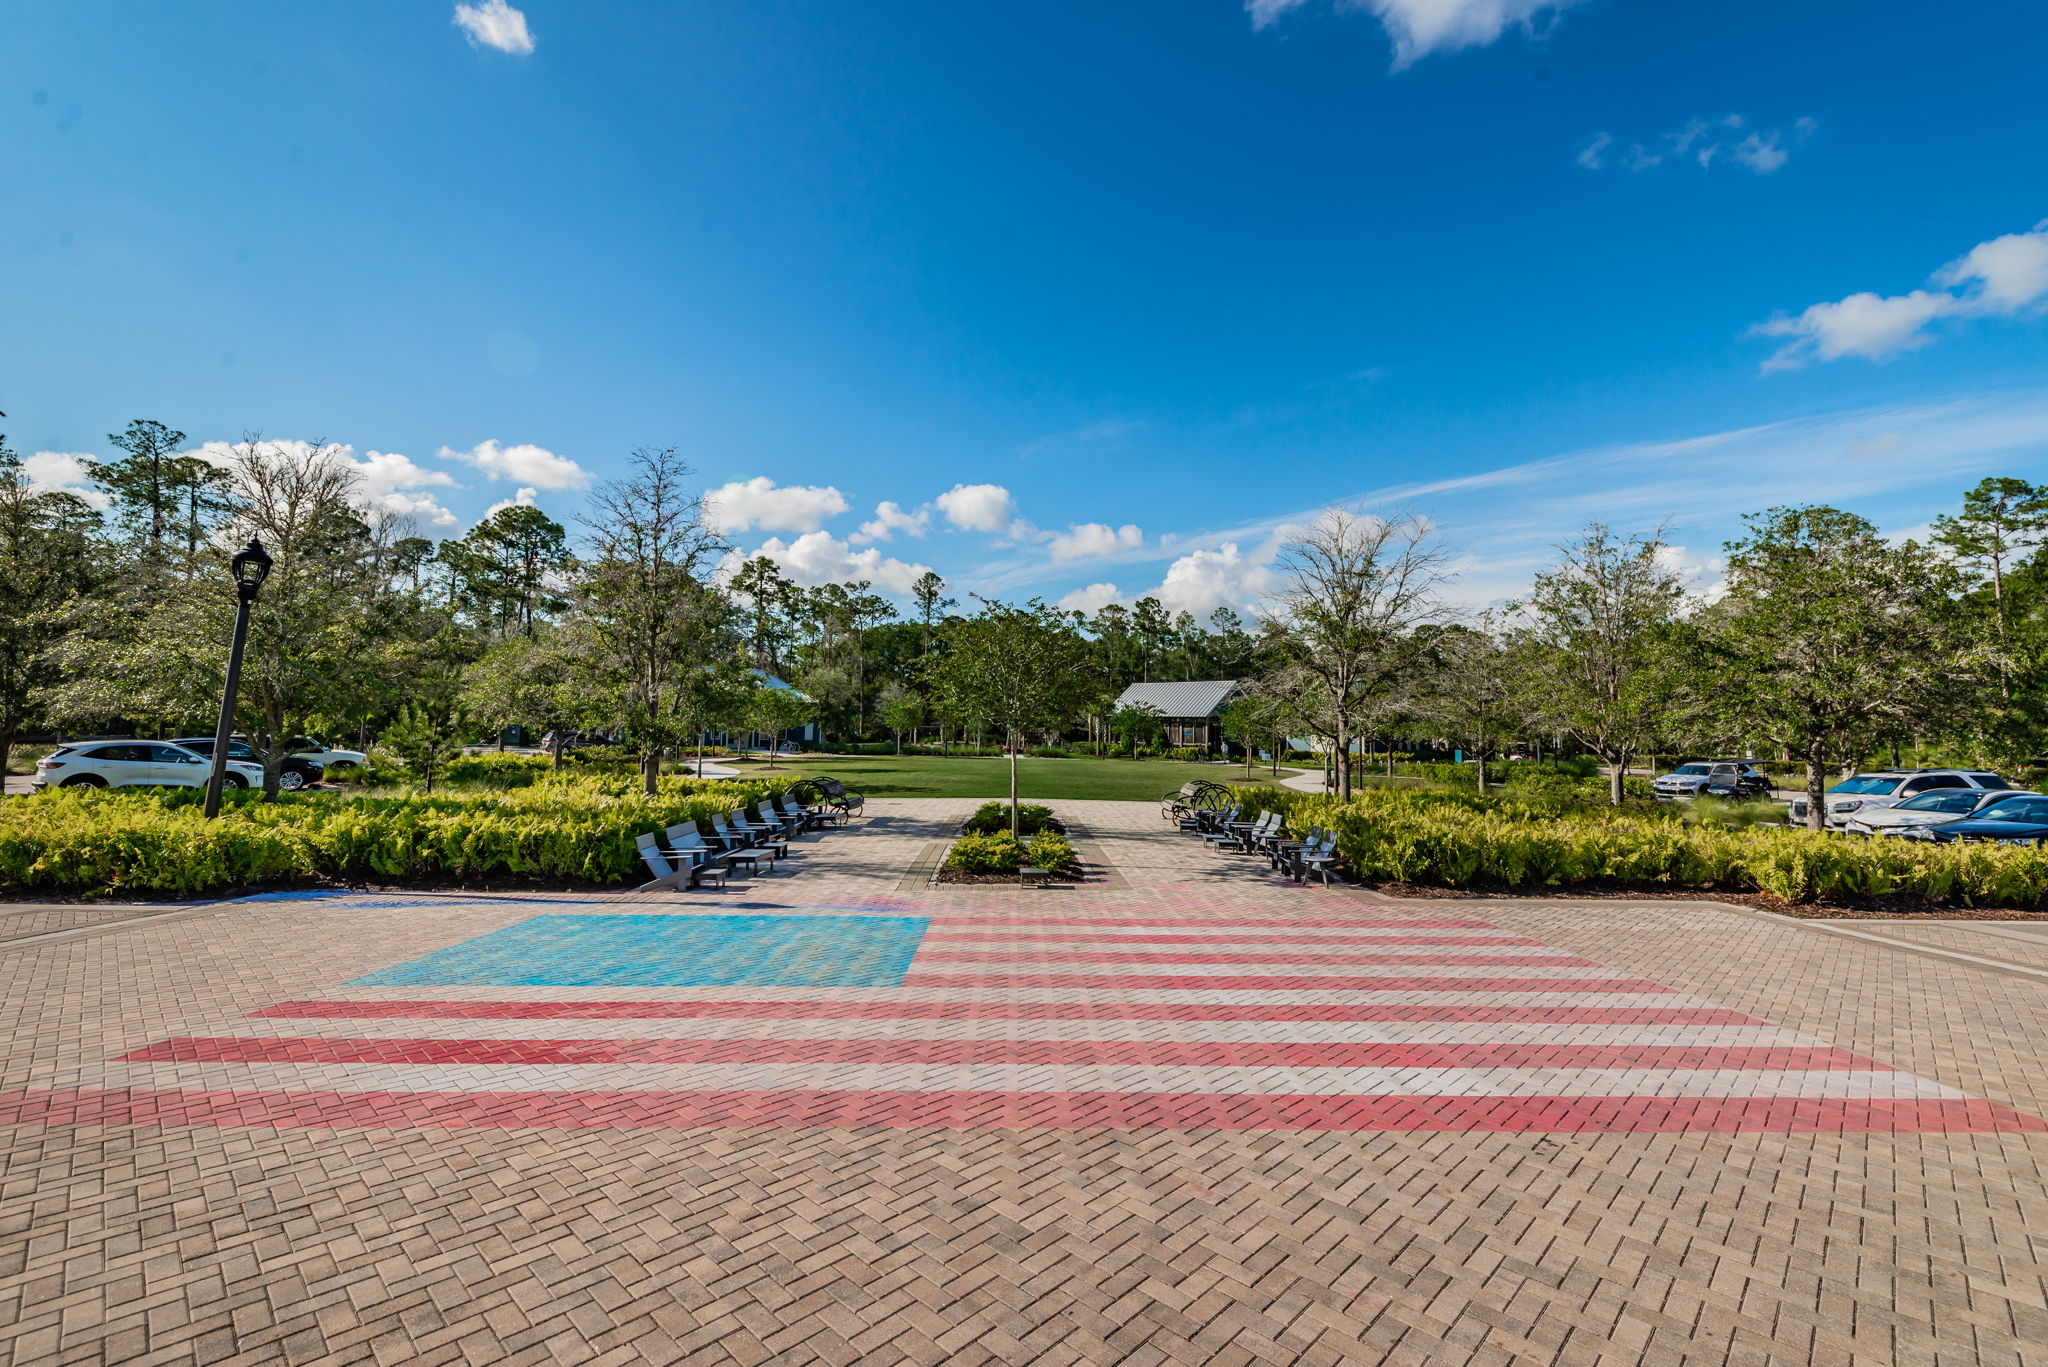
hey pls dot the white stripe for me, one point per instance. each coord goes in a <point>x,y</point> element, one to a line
<point>1027,950</point>
<point>1164,1031</point>
<point>1032,996</point>
<point>999,1077</point>
<point>1021,967</point>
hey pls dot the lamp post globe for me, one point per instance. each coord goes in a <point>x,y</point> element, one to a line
<point>249,568</point>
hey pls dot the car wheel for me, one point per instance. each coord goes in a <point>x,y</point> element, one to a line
<point>291,782</point>
<point>233,781</point>
<point>85,781</point>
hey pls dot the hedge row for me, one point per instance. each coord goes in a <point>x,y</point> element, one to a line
<point>570,827</point>
<point>1460,840</point>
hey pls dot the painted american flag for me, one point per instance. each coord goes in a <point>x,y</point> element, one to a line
<point>980,1021</point>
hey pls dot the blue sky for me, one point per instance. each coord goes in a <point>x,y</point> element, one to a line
<point>1094,298</point>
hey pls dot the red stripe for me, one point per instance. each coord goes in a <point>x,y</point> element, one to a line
<point>1218,922</point>
<point>1133,956</point>
<point>1144,1053</point>
<point>1136,982</point>
<point>1246,937</point>
<point>1070,1011</point>
<point>1010,1110</point>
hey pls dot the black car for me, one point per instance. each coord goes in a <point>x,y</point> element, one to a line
<point>2015,821</point>
<point>292,775</point>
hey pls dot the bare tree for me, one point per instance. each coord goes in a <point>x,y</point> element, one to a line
<point>647,595</point>
<point>1355,587</point>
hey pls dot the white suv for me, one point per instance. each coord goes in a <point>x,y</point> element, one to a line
<point>1890,787</point>
<point>326,756</point>
<point>134,764</point>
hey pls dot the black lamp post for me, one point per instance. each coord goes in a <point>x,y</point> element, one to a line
<point>251,567</point>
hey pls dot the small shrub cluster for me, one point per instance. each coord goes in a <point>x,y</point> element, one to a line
<point>1002,852</point>
<point>991,817</point>
<point>1459,839</point>
<point>571,827</point>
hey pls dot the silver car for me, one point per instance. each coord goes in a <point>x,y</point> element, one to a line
<point>1913,816</point>
<point>1890,787</point>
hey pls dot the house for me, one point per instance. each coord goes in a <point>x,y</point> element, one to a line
<point>1187,710</point>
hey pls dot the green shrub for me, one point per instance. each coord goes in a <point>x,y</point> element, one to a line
<point>997,853</point>
<point>1187,753</point>
<point>1050,850</point>
<point>1048,752</point>
<point>1462,838</point>
<point>579,827</point>
<point>991,817</point>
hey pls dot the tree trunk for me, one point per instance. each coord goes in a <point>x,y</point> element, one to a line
<point>1343,762</point>
<point>1816,787</point>
<point>1013,787</point>
<point>6,748</point>
<point>1479,760</point>
<point>1617,767</point>
<point>558,747</point>
<point>650,770</point>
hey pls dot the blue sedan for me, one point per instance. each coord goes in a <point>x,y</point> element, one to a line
<point>2015,821</point>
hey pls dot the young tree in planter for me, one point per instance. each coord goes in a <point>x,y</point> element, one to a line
<point>1601,622</point>
<point>1022,668</point>
<point>715,698</point>
<point>1354,588</point>
<point>901,711</point>
<point>1830,634</point>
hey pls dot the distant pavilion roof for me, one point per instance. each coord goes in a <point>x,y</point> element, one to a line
<point>1197,698</point>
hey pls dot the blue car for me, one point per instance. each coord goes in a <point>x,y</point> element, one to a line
<point>2015,821</point>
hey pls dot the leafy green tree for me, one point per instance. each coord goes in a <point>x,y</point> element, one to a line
<point>147,483</point>
<point>1252,718</point>
<point>1354,588</point>
<point>1601,621</point>
<point>770,605</point>
<point>1830,635</point>
<point>1020,667</point>
<point>2002,518</point>
<point>1473,694</point>
<point>647,600</point>
<point>929,593</point>
<point>46,569</point>
<point>902,711</point>
<point>535,680</point>
<point>1135,724</point>
<point>427,738</point>
<point>506,564</point>
<point>772,711</point>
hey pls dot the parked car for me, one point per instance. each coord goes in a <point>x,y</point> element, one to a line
<point>1731,778</point>
<point>134,764</point>
<point>1890,787</point>
<point>2018,821</point>
<point>326,756</point>
<point>1938,808</point>
<point>295,773</point>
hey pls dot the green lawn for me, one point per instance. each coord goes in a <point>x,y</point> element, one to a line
<point>1125,780</point>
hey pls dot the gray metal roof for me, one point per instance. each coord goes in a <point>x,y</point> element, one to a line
<point>1197,698</point>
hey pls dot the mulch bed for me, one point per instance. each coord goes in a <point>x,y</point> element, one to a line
<point>1008,879</point>
<point>1888,909</point>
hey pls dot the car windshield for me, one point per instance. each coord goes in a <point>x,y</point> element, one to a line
<point>2017,809</point>
<point>1869,784</point>
<point>1990,781</point>
<point>1948,800</point>
<point>1690,769</point>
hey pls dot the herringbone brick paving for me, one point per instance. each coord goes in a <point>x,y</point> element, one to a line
<point>794,1243</point>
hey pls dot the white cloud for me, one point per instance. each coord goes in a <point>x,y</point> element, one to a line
<point>759,502</point>
<point>1867,325</point>
<point>495,24</point>
<point>2005,276</point>
<point>62,472</point>
<point>1202,581</point>
<point>889,519</point>
<point>822,558</point>
<point>978,507</point>
<point>1420,27</point>
<point>523,464</point>
<point>1092,539</point>
<point>2010,273</point>
<point>1090,600</point>
<point>1763,151</point>
<point>423,507</point>
<point>386,471</point>
<point>523,498</point>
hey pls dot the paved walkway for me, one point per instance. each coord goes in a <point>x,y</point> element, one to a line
<point>1193,1114</point>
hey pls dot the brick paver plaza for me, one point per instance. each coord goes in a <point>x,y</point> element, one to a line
<point>1184,1113</point>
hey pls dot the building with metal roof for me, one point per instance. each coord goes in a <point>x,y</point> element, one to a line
<point>1188,710</point>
